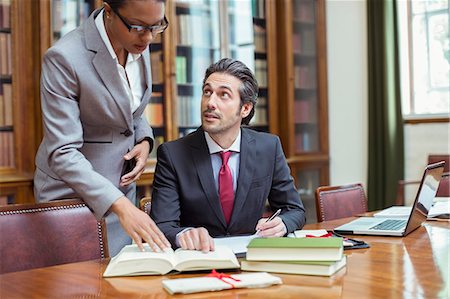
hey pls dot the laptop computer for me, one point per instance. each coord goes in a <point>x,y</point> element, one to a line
<point>400,226</point>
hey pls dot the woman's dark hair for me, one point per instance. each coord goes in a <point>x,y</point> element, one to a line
<point>116,4</point>
<point>248,90</point>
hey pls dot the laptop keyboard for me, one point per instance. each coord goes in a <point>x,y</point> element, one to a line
<point>389,224</point>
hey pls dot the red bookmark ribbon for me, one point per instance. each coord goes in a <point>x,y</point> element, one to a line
<point>222,276</point>
<point>328,235</point>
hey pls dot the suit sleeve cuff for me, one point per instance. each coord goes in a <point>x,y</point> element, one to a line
<point>177,241</point>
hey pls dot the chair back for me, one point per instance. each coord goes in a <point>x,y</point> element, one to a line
<point>47,234</point>
<point>146,204</point>
<point>433,158</point>
<point>444,186</point>
<point>334,202</point>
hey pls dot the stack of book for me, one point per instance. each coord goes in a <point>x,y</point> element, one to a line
<point>308,256</point>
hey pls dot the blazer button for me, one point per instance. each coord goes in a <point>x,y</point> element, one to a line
<point>127,133</point>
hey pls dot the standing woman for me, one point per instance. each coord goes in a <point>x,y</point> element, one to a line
<point>95,85</point>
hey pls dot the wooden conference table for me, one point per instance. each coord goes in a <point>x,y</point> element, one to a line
<point>416,266</point>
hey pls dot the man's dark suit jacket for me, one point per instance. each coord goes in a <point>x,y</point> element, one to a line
<point>184,192</point>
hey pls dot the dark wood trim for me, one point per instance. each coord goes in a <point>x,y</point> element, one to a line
<point>272,66</point>
<point>415,121</point>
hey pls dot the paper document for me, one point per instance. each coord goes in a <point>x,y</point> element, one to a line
<point>237,244</point>
<point>394,212</point>
<point>205,284</point>
<point>440,208</point>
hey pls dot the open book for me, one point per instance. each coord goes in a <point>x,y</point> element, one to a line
<point>132,262</point>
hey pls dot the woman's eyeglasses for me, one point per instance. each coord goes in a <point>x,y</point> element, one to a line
<point>154,29</point>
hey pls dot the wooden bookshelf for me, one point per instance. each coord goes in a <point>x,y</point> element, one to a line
<point>303,86</point>
<point>19,90</point>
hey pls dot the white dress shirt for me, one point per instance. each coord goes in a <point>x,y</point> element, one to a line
<point>133,75</point>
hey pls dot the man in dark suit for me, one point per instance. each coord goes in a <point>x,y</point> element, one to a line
<point>196,195</point>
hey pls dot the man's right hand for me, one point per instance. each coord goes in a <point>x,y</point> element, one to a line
<point>196,239</point>
<point>138,225</point>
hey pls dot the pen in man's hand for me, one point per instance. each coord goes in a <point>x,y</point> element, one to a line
<point>270,218</point>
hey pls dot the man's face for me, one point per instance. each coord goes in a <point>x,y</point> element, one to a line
<point>141,13</point>
<point>221,104</point>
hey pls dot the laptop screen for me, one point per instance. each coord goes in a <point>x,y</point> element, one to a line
<point>425,195</point>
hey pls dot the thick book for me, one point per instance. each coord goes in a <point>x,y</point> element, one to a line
<point>295,249</point>
<point>130,261</point>
<point>320,268</point>
<point>219,282</point>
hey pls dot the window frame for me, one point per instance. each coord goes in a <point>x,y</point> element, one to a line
<point>407,72</point>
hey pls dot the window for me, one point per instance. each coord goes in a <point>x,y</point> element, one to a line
<point>424,48</point>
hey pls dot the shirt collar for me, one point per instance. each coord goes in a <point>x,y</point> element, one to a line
<point>102,30</point>
<point>215,148</point>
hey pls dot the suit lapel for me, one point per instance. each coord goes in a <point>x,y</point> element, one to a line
<point>246,170</point>
<point>106,67</point>
<point>202,161</point>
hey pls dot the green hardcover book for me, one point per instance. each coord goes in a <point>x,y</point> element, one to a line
<point>295,249</point>
<point>320,268</point>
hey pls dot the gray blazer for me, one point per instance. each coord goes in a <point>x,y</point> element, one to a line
<point>88,124</point>
<point>185,195</point>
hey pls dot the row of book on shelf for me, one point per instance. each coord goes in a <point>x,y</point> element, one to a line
<point>197,29</point>
<point>6,105</point>
<point>7,149</point>
<point>157,67</point>
<point>68,14</point>
<point>304,41</point>
<point>191,69</point>
<point>305,77</point>
<point>258,8</point>
<point>306,140</point>
<point>304,11</point>
<point>261,72</point>
<point>259,39</point>
<point>305,111</point>
<point>5,13</point>
<point>5,54</point>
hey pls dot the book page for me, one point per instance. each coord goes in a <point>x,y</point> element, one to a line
<point>440,208</point>
<point>394,212</point>
<point>131,261</point>
<point>190,260</point>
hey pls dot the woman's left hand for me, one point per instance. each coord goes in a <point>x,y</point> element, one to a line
<point>140,154</point>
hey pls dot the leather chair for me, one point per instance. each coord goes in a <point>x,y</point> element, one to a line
<point>444,186</point>
<point>145,204</point>
<point>334,202</point>
<point>47,234</point>
<point>433,158</point>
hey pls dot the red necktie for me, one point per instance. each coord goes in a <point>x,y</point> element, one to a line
<point>226,192</point>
